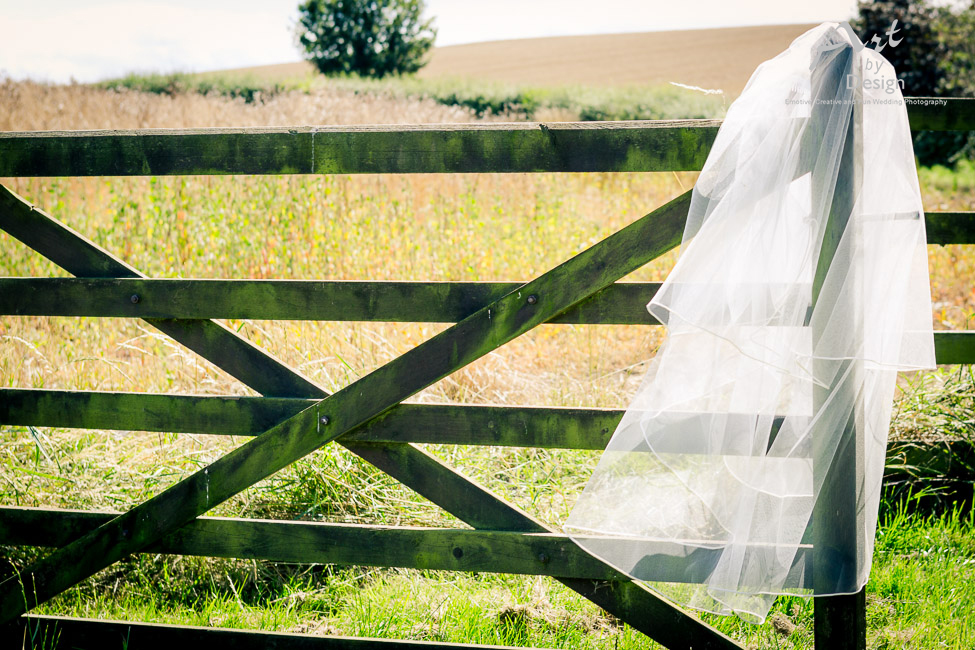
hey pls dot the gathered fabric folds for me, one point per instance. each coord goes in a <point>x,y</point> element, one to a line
<point>750,462</point>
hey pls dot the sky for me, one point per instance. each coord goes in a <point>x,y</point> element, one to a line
<point>90,40</point>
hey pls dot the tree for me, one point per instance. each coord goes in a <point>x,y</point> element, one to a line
<point>955,28</point>
<point>917,54</point>
<point>934,55</point>
<point>373,38</point>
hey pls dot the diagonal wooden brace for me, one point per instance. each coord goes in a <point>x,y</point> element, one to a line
<point>627,600</point>
<point>82,258</point>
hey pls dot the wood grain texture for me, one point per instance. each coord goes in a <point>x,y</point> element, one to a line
<point>489,328</point>
<point>470,502</point>
<point>672,145</point>
<point>629,146</point>
<point>567,428</point>
<point>416,302</point>
<point>446,549</point>
<point>461,424</point>
<point>941,113</point>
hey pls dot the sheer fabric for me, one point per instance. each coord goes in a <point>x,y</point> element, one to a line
<point>800,291</point>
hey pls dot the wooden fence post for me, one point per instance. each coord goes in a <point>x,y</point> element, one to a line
<point>840,621</point>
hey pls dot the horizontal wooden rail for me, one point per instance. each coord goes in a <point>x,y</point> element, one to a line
<point>941,113</point>
<point>452,424</point>
<point>418,302</point>
<point>509,426</point>
<point>70,633</point>
<point>622,303</point>
<point>954,347</point>
<point>950,227</point>
<point>673,145</point>
<point>634,146</point>
<point>450,549</point>
<point>447,549</point>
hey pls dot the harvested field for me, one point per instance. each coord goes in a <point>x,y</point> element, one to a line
<point>709,58</point>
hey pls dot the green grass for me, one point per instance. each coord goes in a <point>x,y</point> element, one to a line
<point>634,102</point>
<point>920,596</point>
<point>461,227</point>
<point>920,593</point>
<point>248,88</point>
<point>960,178</point>
<point>484,98</point>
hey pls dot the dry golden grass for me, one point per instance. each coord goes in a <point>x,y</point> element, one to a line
<point>411,227</point>
<point>710,58</point>
<point>408,227</point>
<point>427,227</point>
<point>29,106</point>
<point>422,227</point>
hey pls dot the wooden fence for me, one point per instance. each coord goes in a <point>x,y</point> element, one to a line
<point>294,416</point>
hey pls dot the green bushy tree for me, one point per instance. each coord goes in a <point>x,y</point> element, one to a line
<point>956,27</point>
<point>371,38</point>
<point>934,56</point>
<point>917,54</point>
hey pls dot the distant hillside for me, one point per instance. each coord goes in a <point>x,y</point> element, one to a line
<point>709,58</point>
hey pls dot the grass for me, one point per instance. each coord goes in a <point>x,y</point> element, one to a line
<point>481,98</point>
<point>919,597</point>
<point>942,401</point>
<point>920,592</point>
<point>30,106</point>
<point>960,178</point>
<point>625,102</point>
<point>249,88</point>
<point>422,227</point>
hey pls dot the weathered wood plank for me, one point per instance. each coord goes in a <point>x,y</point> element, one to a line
<point>838,456</point>
<point>444,148</point>
<point>461,424</point>
<point>69,633</point>
<point>455,347</point>
<point>634,603</point>
<point>941,113</point>
<point>954,347</point>
<point>671,145</point>
<point>564,428</point>
<point>950,227</point>
<point>448,549</point>
<point>445,549</point>
<point>427,302</point>
<point>841,620</point>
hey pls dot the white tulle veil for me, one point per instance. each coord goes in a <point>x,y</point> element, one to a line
<point>749,464</point>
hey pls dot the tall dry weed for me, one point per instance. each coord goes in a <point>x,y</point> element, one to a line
<point>31,106</point>
<point>408,227</point>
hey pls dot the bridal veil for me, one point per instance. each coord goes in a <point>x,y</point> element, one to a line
<point>749,464</point>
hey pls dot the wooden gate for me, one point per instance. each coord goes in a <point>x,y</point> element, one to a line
<point>295,417</point>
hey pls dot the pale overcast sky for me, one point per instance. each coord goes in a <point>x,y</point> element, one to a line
<point>88,40</point>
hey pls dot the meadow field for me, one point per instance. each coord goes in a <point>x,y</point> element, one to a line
<point>710,58</point>
<point>408,227</point>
